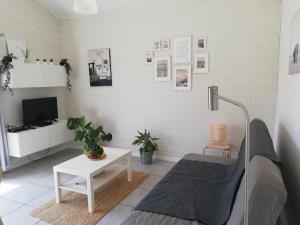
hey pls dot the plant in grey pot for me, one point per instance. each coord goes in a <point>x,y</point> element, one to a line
<point>147,145</point>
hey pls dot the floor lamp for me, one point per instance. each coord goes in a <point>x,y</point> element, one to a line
<point>213,105</point>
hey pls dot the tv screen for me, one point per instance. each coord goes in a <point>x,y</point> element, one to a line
<point>39,110</point>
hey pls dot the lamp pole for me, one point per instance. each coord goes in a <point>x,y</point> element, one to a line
<point>213,105</point>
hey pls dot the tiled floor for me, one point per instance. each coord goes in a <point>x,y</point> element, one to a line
<point>26,188</point>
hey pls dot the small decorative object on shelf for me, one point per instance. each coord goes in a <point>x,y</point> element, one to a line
<point>66,64</point>
<point>26,54</point>
<point>90,136</point>
<point>45,61</point>
<point>147,145</point>
<point>51,62</point>
<point>5,67</point>
<point>38,61</point>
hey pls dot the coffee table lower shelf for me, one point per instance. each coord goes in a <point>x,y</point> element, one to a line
<point>78,184</point>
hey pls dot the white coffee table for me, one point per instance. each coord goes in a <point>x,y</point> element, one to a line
<point>91,175</point>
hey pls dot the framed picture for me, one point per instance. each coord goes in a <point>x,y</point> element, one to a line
<point>162,66</point>
<point>200,43</point>
<point>157,46</point>
<point>17,48</point>
<point>294,54</point>
<point>182,77</point>
<point>99,63</point>
<point>201,63</point>
<point>165,44</point>
<point>149,57</point>
<point>182,50</point>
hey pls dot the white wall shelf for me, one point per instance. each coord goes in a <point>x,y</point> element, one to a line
<point>31,141</point>
<point>26,75</point>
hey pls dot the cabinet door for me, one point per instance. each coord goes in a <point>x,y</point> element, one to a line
<point>25,75</point>
<point>59,133</point>
<point>56,76</point>
<point>28,142</point>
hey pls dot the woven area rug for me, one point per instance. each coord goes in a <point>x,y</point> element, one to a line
<point>73,210</point>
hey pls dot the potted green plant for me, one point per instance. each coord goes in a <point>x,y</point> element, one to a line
<point>90,136</point>
<point>147,145</point>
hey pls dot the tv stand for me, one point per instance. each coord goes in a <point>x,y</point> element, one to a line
<point>34,140</point>
<point>42,124</point>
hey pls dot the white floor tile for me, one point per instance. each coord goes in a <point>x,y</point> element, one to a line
<point>150,182</point>
<point>158,170</point>
<point>7,206</point>
<point>20,216</point>
<point>116,216</point>
<point>27,174</point>
<point>9,185</point>
<point>49,180</point>
<point>42,199</point>
<point>135,197</point>
<point>27,193</point>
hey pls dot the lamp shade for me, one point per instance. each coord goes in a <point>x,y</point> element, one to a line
<point>86,7</point>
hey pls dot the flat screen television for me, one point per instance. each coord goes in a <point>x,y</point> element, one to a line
<point>39,110</point>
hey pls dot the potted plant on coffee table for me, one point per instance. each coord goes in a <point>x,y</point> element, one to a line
<point>147,145</point>
<point>90,136</point>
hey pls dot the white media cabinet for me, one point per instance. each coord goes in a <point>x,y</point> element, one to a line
<point>31,141</point>
<point>30,75</point>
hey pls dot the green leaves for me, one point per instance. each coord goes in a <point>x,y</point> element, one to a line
<point>146,142</point>
<point>89,135</point>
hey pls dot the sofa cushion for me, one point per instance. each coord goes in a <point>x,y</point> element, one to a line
<point>267,194</point>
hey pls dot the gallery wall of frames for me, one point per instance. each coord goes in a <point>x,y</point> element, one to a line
<point>178,59</point>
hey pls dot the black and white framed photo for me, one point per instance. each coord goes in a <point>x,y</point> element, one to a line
<point>149,57</point>
<point>99,62</point>
<point>162,66</point>
<point>165,44</point>
<point>157,45</point>
<point>17,48</point>
<point>200,43</point>
<point>201,63</point>
<point>182,77</point>
<point>182,50</point>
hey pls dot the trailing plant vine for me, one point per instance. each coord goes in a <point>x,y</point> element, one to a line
<point>5,67</point>
<point>66,64</point>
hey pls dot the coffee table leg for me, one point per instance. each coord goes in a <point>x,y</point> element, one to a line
<point>129,167</point>
<point>57,182</point>
<point>90,194</point>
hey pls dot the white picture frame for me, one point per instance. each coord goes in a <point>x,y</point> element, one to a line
<point>200,43</point>
<point>165,44</point>
<point>182,77</point>
<point>149,57</point>
<point>182,50</point>
<point>157,45</point>
<point>201,63</point>
<point>162,67</point>
<point>17,48</point>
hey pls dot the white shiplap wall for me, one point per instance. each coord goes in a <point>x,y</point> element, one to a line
<point>27,20</point>
<point>243,42</point>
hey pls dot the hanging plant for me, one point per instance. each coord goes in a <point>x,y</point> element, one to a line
<point>66,64</point>
<point>5,67</point>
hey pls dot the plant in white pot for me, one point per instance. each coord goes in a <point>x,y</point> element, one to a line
<point>147,145</point>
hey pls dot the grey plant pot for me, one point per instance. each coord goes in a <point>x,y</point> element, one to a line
<point>146,158</point>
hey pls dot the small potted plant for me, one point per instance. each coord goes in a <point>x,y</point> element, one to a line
<point>147,145</point>
<point>90,136</point>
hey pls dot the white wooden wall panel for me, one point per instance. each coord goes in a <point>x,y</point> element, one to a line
<point>243,42</point>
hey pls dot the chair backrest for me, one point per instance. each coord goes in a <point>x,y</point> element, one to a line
<point>267,194</point>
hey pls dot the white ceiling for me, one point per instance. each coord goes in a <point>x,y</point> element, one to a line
<point>64,8</point>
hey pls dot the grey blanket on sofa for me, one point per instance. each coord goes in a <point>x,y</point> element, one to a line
<point>203,191</point>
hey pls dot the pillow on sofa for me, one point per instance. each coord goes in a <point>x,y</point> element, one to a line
<point>267,194</point>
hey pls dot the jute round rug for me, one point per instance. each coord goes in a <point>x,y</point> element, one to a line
<point>73,210</point>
